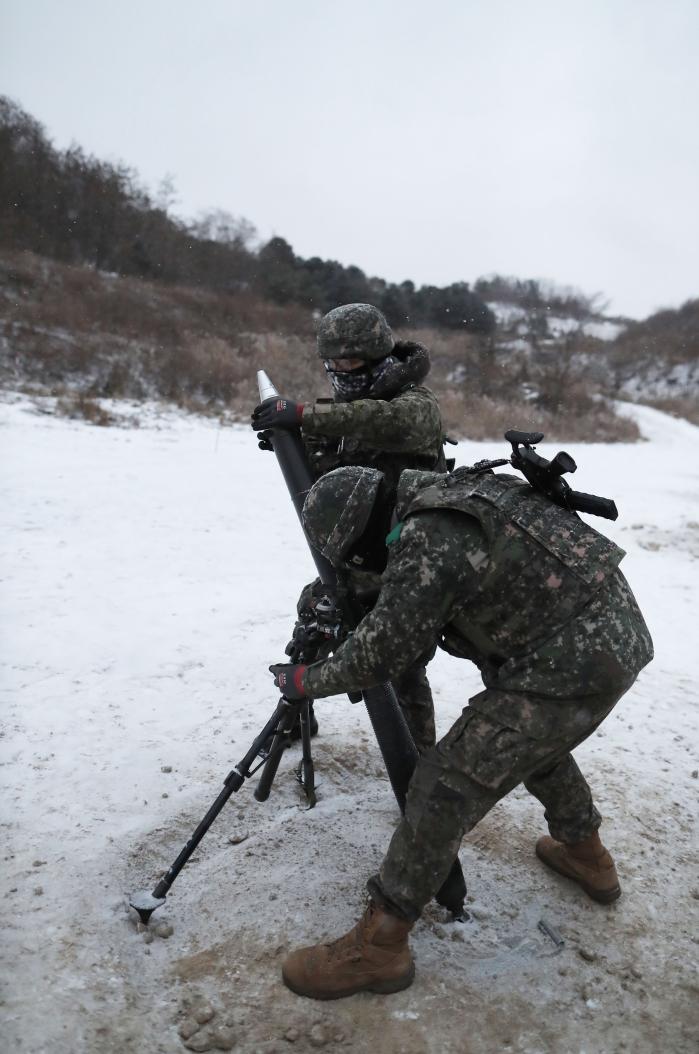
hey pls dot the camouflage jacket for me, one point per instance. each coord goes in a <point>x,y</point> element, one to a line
<point>388,434</point>
<point>526,590</point>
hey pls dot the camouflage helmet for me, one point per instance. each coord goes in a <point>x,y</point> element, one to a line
<point>337,509</point>
<point>357,331</point>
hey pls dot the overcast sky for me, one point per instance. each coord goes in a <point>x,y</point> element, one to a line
<point>436,141</point>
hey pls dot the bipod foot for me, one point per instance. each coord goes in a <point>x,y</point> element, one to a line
<point>145,904</point>
<point>307,785</point>
<point>452,893</point>
<point>457,911</point>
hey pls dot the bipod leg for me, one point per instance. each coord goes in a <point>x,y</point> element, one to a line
<point>452,893</point>
<point>280,742</point>
<point>145,903</point>
<point>305,773</point>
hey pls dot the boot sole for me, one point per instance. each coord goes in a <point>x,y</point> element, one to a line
<point>602,896</point>
<point>396,984</point>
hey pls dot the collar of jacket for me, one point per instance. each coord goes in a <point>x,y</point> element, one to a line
<point>410,366</point>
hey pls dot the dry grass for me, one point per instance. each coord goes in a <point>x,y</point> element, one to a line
<point>125,338</point>
<point>96,336</point>
<point>78,406</point>
<point>485,390</point>
<point>483,417</point>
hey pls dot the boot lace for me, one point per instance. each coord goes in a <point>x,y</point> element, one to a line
<point>350,943</point>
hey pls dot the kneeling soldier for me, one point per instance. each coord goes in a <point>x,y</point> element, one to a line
<point>494,572</point>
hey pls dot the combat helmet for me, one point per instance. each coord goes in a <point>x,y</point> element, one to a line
<point>354,331</point>
<point>338,508</point>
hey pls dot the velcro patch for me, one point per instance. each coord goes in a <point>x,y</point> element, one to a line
<point>394,534</point>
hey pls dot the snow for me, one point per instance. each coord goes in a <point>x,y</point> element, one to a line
<point>149,577</point>
<point>660,380</point>
<point>604,329</point>
<point>506,313</point>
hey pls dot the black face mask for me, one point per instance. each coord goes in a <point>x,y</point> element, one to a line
<point>349,385</point>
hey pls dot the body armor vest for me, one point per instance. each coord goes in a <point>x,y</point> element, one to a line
<point>543,563</point>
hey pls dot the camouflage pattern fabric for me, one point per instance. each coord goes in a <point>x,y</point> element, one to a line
<point>415,698</point>
<point>390,435</point>
<point>570,641</point>
<point>428,575</point>
<point>408,364</point>
<point>493,585</point>
<point>354,331</point>
<point>477,763</point>
<point>352,490</point>
<point>412,687</point>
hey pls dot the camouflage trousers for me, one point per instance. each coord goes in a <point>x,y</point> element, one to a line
<point>477,763</point>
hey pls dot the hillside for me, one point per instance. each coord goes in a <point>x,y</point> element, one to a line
<point>80,209</point>
<point>654,361</point>
<point>105,294</point>
<point>657,361</point>
<point>83,336</point>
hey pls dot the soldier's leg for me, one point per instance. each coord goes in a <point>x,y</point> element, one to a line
<point>568,807</point>
<point>454,785</point>
<point>574,848</point>
<point>415,698</point>
<point>561,787</point>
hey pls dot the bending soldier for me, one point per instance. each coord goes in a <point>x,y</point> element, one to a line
<point>494,572</point>
<point>383,417</point>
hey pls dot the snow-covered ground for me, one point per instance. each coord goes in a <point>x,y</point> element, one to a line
<point>149,577</point>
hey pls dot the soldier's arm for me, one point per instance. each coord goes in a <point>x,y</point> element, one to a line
<point>410,422</point>
<point>431,570</point>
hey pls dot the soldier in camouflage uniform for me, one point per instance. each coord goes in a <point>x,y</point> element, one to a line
<point>383,417</point>
<point>494,572</point>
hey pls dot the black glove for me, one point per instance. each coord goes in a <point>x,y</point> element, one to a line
<point>290,678</point>
<point>264,439</point>
<point>277,412</point>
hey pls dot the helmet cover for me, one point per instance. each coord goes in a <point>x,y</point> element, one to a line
<point>338,507</point>
<point>354,331</point>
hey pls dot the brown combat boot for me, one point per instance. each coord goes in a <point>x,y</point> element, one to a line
<point>373,957</point>
<point>588,863</point>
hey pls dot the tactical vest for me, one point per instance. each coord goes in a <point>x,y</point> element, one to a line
<point>543,562</point>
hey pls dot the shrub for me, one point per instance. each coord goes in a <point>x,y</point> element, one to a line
<point>79,406</point>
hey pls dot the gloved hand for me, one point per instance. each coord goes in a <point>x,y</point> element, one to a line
<point>277,412</point>
<point>289,678</point>
<point>264,439</point>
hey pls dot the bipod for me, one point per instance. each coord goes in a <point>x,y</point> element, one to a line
<point>268,746</point>
<point>282,739</point>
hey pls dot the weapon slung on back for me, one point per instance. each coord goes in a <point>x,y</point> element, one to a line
<point>547,476</point>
